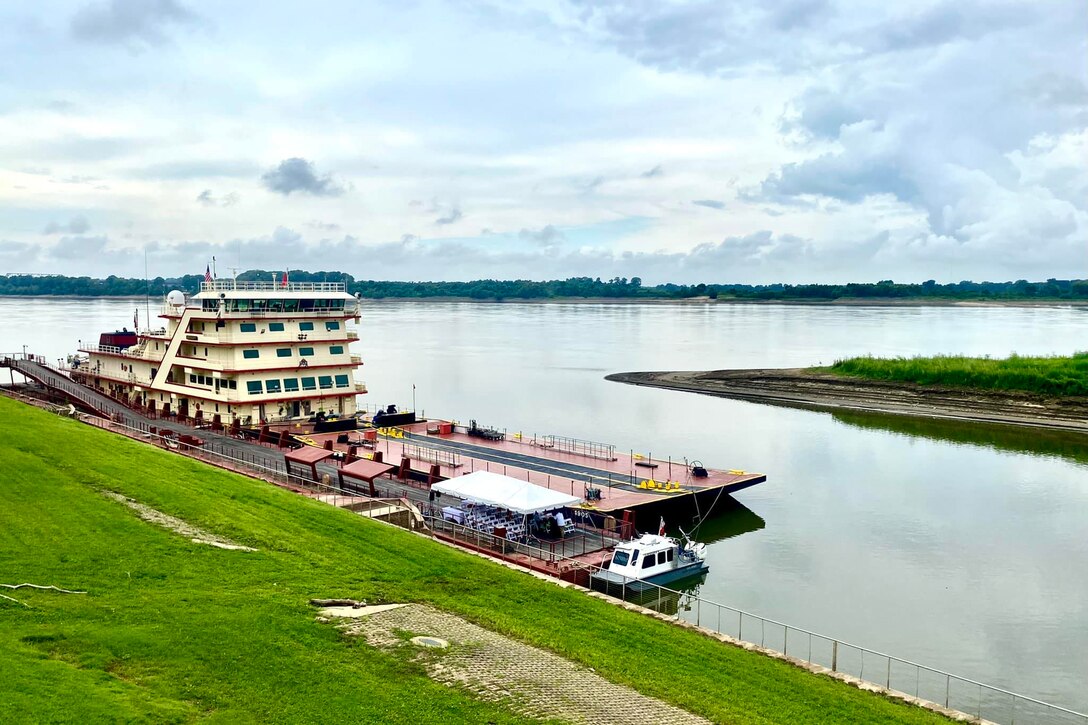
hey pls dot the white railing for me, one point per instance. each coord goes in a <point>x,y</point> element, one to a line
<point>132,352</point>
<point>229,285</point>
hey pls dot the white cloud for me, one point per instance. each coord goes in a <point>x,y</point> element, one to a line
<point>896,140</point>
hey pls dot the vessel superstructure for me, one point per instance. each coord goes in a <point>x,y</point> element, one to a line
<point>251,350</point>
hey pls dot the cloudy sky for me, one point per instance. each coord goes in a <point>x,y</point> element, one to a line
<point>715,141</point>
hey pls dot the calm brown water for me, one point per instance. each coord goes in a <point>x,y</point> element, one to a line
<point>959,546</point>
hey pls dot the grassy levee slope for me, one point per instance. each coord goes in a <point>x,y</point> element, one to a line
<point>1052,375</point>
<point>173,631</point>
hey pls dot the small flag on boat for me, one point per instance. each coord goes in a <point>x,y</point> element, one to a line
<point>283,282</point>
<point>661,527</point>
<point>208,273</point>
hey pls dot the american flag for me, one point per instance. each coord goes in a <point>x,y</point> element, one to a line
<point>208,273</point>
<point>283,282</point>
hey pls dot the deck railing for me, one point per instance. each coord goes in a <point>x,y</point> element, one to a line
<point>822,651</point>
<point>450,459</point>
<point>228,285</point>
<point>589,449</point>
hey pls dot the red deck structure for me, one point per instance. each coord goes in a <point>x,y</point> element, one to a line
<point>363,470</point>
<point>307,456</point>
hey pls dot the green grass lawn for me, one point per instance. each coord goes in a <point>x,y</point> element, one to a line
<point>1043,375</point>
<point>173,631</point>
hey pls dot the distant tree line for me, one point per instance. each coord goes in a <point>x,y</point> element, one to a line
<point>573,287</point>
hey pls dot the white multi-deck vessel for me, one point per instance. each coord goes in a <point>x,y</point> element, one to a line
<point>253,351</point>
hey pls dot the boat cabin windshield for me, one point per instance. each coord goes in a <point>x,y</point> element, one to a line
<point>620,558</point>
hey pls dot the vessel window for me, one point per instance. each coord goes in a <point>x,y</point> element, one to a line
<point>251,354</point>
<point>309,383</point>
<point>232,384</point>
<point>325,380</point>
<point>253,386</point>
<point>283,352</point>
<point>670,551</point>
<point>336,349</point>
<point>662,557</point>
<point>305,351</point>
<point>332,325</point>
<point>192,378</point>
<point>290,385</point>
<point>634,556</point>
<point>342,381</point>
<point>304,326</point>
<point>620,558</point>
<point>272,386</point>
<point>275,327</point>
<point>260,305</point>
<point>249,326</point>
<point>648,561</point>
<point>290,305</point>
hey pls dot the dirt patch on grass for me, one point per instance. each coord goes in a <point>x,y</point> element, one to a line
<point>178,526</point>
<point>797,387</point>
<point>531,681</point>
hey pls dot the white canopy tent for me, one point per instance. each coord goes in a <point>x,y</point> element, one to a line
<point>495,489</point>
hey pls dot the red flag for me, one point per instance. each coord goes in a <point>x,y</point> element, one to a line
<point>208,273</point>
<point>661,527</point>
<point>283,282</point>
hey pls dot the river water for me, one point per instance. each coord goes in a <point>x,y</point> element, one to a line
<point>956,545</point>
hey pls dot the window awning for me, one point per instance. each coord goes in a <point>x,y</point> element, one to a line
<point>512,494</point>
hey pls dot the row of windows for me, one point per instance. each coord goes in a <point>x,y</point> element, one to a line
<point>209,380</point>
<point>286,352</point>
<point>288,305</point>
<point>291,385</point>
<point>278,326</point>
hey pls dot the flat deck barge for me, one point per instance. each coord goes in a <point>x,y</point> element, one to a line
<point>609,482</point>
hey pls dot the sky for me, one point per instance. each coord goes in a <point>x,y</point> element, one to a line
<point>706,141</point>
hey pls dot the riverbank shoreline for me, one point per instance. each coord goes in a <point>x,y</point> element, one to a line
<point>850,302</point>
<point>801,388</point>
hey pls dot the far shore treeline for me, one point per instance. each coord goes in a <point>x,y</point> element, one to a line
<point>574,287</point>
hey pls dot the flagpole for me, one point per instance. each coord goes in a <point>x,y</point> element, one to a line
<point>147,292</point>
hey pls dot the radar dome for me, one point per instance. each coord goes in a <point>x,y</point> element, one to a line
<point>176,298</point>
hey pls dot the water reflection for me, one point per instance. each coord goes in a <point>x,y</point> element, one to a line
<point>732,518</point>
<point>1067,445</point>
<point>678,598</point>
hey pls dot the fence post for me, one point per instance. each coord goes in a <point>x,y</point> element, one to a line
<point>947,688</point>
<point>835,658</point>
